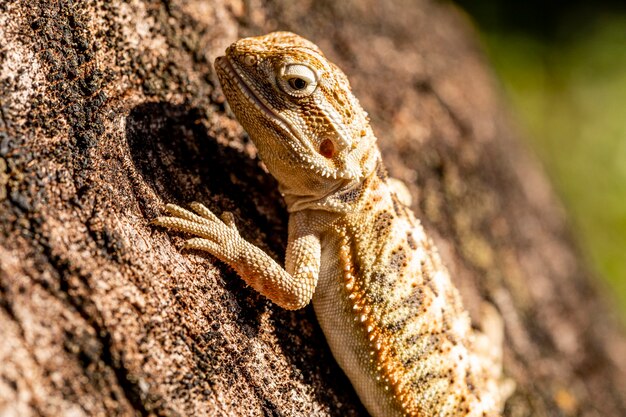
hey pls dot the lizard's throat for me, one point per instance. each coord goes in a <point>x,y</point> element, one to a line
<point>330,195</point>
<point>327,198</point>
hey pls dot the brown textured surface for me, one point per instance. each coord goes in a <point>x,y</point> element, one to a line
<point>107,111</point>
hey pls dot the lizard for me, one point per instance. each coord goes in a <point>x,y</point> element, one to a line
<point>392,317</point>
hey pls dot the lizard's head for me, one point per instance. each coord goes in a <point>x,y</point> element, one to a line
<point>310,130</point>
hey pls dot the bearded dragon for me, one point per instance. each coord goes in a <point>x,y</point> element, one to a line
<point>393,319</point>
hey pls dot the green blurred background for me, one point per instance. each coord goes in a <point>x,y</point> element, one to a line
<point>563,67</point>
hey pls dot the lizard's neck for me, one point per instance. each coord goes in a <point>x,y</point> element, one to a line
<point>333,201</point>
<point>343,197</point>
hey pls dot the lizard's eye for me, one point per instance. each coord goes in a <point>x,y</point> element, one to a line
<point>249,60</point>
<point>297,80</point>
<point>297,83</point>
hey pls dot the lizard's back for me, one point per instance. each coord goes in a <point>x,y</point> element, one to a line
<point>393,318</point>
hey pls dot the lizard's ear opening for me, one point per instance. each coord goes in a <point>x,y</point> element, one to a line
<point>327,148</point>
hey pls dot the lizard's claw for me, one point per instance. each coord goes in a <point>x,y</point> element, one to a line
<point>229,219</point>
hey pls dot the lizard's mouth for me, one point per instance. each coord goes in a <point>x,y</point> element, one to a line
<point>236,80</point>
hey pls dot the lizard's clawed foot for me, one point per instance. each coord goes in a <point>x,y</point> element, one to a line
<point>214,235</point>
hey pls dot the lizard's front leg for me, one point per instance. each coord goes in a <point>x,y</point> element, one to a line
<point>291,288</point>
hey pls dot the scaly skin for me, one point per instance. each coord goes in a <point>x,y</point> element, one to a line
<point>392,317</point>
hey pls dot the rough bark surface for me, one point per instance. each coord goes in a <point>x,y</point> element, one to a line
<point>110,109</point>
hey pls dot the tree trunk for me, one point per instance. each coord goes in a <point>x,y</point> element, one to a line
<point>111,109</point>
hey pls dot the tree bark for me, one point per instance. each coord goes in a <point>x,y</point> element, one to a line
<point>108,110</point>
